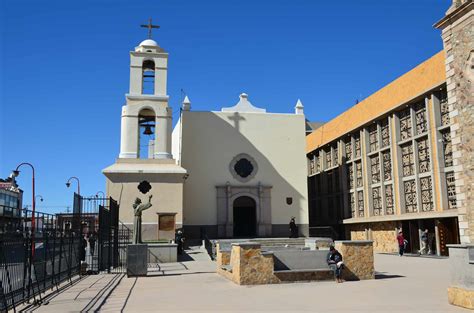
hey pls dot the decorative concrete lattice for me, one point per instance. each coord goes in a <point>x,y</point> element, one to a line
<point>420,118</point>
<point>336,155</point>
<point>328,158</point>
<point>387,166</point>
<point>357,145</point>
<point>405,124</point>
<point>410,196</point>
<point>389,200</point>
<point>359,174</point>
<point>375,168</point>
<point>352,204</point>
<point>426,194</point>
<point>444,108</point>
<point>373,138</point>
<point>348,148</point>
<point>385,130</point>
<point>447,148</point>
<point>350,175</point>
<point>423,155</point>
<point>312,168</point>
<point>360,203</point>
<point>408,161</point>
<point>451,190</point>
<point>377,200</point>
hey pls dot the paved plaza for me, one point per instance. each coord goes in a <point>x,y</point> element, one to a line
<point>403,284</point>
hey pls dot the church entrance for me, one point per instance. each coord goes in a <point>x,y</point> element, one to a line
<point>245,217</point>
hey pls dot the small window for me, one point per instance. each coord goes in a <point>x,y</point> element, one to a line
<point>243,168</point>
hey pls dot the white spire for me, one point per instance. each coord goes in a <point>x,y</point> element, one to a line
<point>299,107</point>
<point>186,104</point>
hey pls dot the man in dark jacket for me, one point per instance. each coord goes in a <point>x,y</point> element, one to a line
<point>293,228</point>
<point>335,263</point>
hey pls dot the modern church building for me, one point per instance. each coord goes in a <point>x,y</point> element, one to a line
<point>403,158</point>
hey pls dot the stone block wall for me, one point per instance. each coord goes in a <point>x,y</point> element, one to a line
<point>222,256</point>
<point>358,257</point>
<point>248,265</point>
<point>458,33</point>
<point>383,235</point>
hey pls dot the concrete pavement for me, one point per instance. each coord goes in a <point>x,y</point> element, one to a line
<point>403,284</point>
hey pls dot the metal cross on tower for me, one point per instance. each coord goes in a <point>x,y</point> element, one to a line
<point>150,26</point>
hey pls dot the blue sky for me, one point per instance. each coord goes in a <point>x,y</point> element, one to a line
<point>64,68</point>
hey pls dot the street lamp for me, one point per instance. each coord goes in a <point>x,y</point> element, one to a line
<point>15,173</point>
<point>68,184</point>
<point>97,194</point>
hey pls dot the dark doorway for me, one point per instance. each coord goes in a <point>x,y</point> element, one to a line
<point>245,217</point>
<point>448,233</point>
<point>412,235</point>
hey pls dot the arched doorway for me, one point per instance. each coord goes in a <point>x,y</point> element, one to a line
<point>245,217</point>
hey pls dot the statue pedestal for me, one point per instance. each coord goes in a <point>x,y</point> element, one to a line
<point>137,260</point>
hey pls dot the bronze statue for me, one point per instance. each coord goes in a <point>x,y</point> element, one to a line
<point>138,208</point>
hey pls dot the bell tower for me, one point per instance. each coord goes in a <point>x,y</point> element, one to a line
<point>145,147</point>
<point>146,111</point>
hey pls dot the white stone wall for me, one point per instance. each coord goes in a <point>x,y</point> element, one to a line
<point>210,140</point>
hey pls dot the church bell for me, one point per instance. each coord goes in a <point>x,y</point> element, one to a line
<point>147,130</point>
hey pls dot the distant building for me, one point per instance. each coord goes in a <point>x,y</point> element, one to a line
<point>11,198</point>
<point>312,126</point>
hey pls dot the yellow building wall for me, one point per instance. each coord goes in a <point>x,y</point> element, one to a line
<point>419,80</point>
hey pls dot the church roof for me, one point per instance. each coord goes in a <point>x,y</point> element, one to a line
<point>244,105</point>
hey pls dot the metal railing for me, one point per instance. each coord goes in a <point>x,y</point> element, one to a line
<point>25,272</point>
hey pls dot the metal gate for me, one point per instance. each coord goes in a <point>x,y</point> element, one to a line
<point>106,237</point>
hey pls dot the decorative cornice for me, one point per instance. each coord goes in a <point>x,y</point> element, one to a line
<point>456,14</point>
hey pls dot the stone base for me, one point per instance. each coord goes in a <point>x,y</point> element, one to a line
<point>461,297</point>
<point>358,257</point>
<point>162,252</point>
<point>137,256</point>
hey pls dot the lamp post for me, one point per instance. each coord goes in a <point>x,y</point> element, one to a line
<point>15,174</point>
<point>68,184</point>
<point>97,194</point>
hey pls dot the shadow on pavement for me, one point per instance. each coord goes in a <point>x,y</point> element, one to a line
<point>382,275</point>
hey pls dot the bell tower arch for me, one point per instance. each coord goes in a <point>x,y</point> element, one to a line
<point>145,147</point>
<point>148,79</point>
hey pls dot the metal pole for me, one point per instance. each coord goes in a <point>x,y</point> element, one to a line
<point>33,222</point>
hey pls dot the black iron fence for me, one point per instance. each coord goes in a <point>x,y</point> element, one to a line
<point>40,251</point>
<point>33,263</point>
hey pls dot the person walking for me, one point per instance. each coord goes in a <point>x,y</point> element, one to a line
<point>401,243</point>
<point>92,243</point>
<point>424,242</point>
<point>293,228</point>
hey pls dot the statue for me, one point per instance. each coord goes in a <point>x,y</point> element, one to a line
<point>138,208</point>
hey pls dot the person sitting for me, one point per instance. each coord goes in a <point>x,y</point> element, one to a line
<point>335,263</point>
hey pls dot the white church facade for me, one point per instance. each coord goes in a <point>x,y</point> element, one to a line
<point>238,172</point>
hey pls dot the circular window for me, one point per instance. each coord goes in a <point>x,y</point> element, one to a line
<point>243,167</point>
